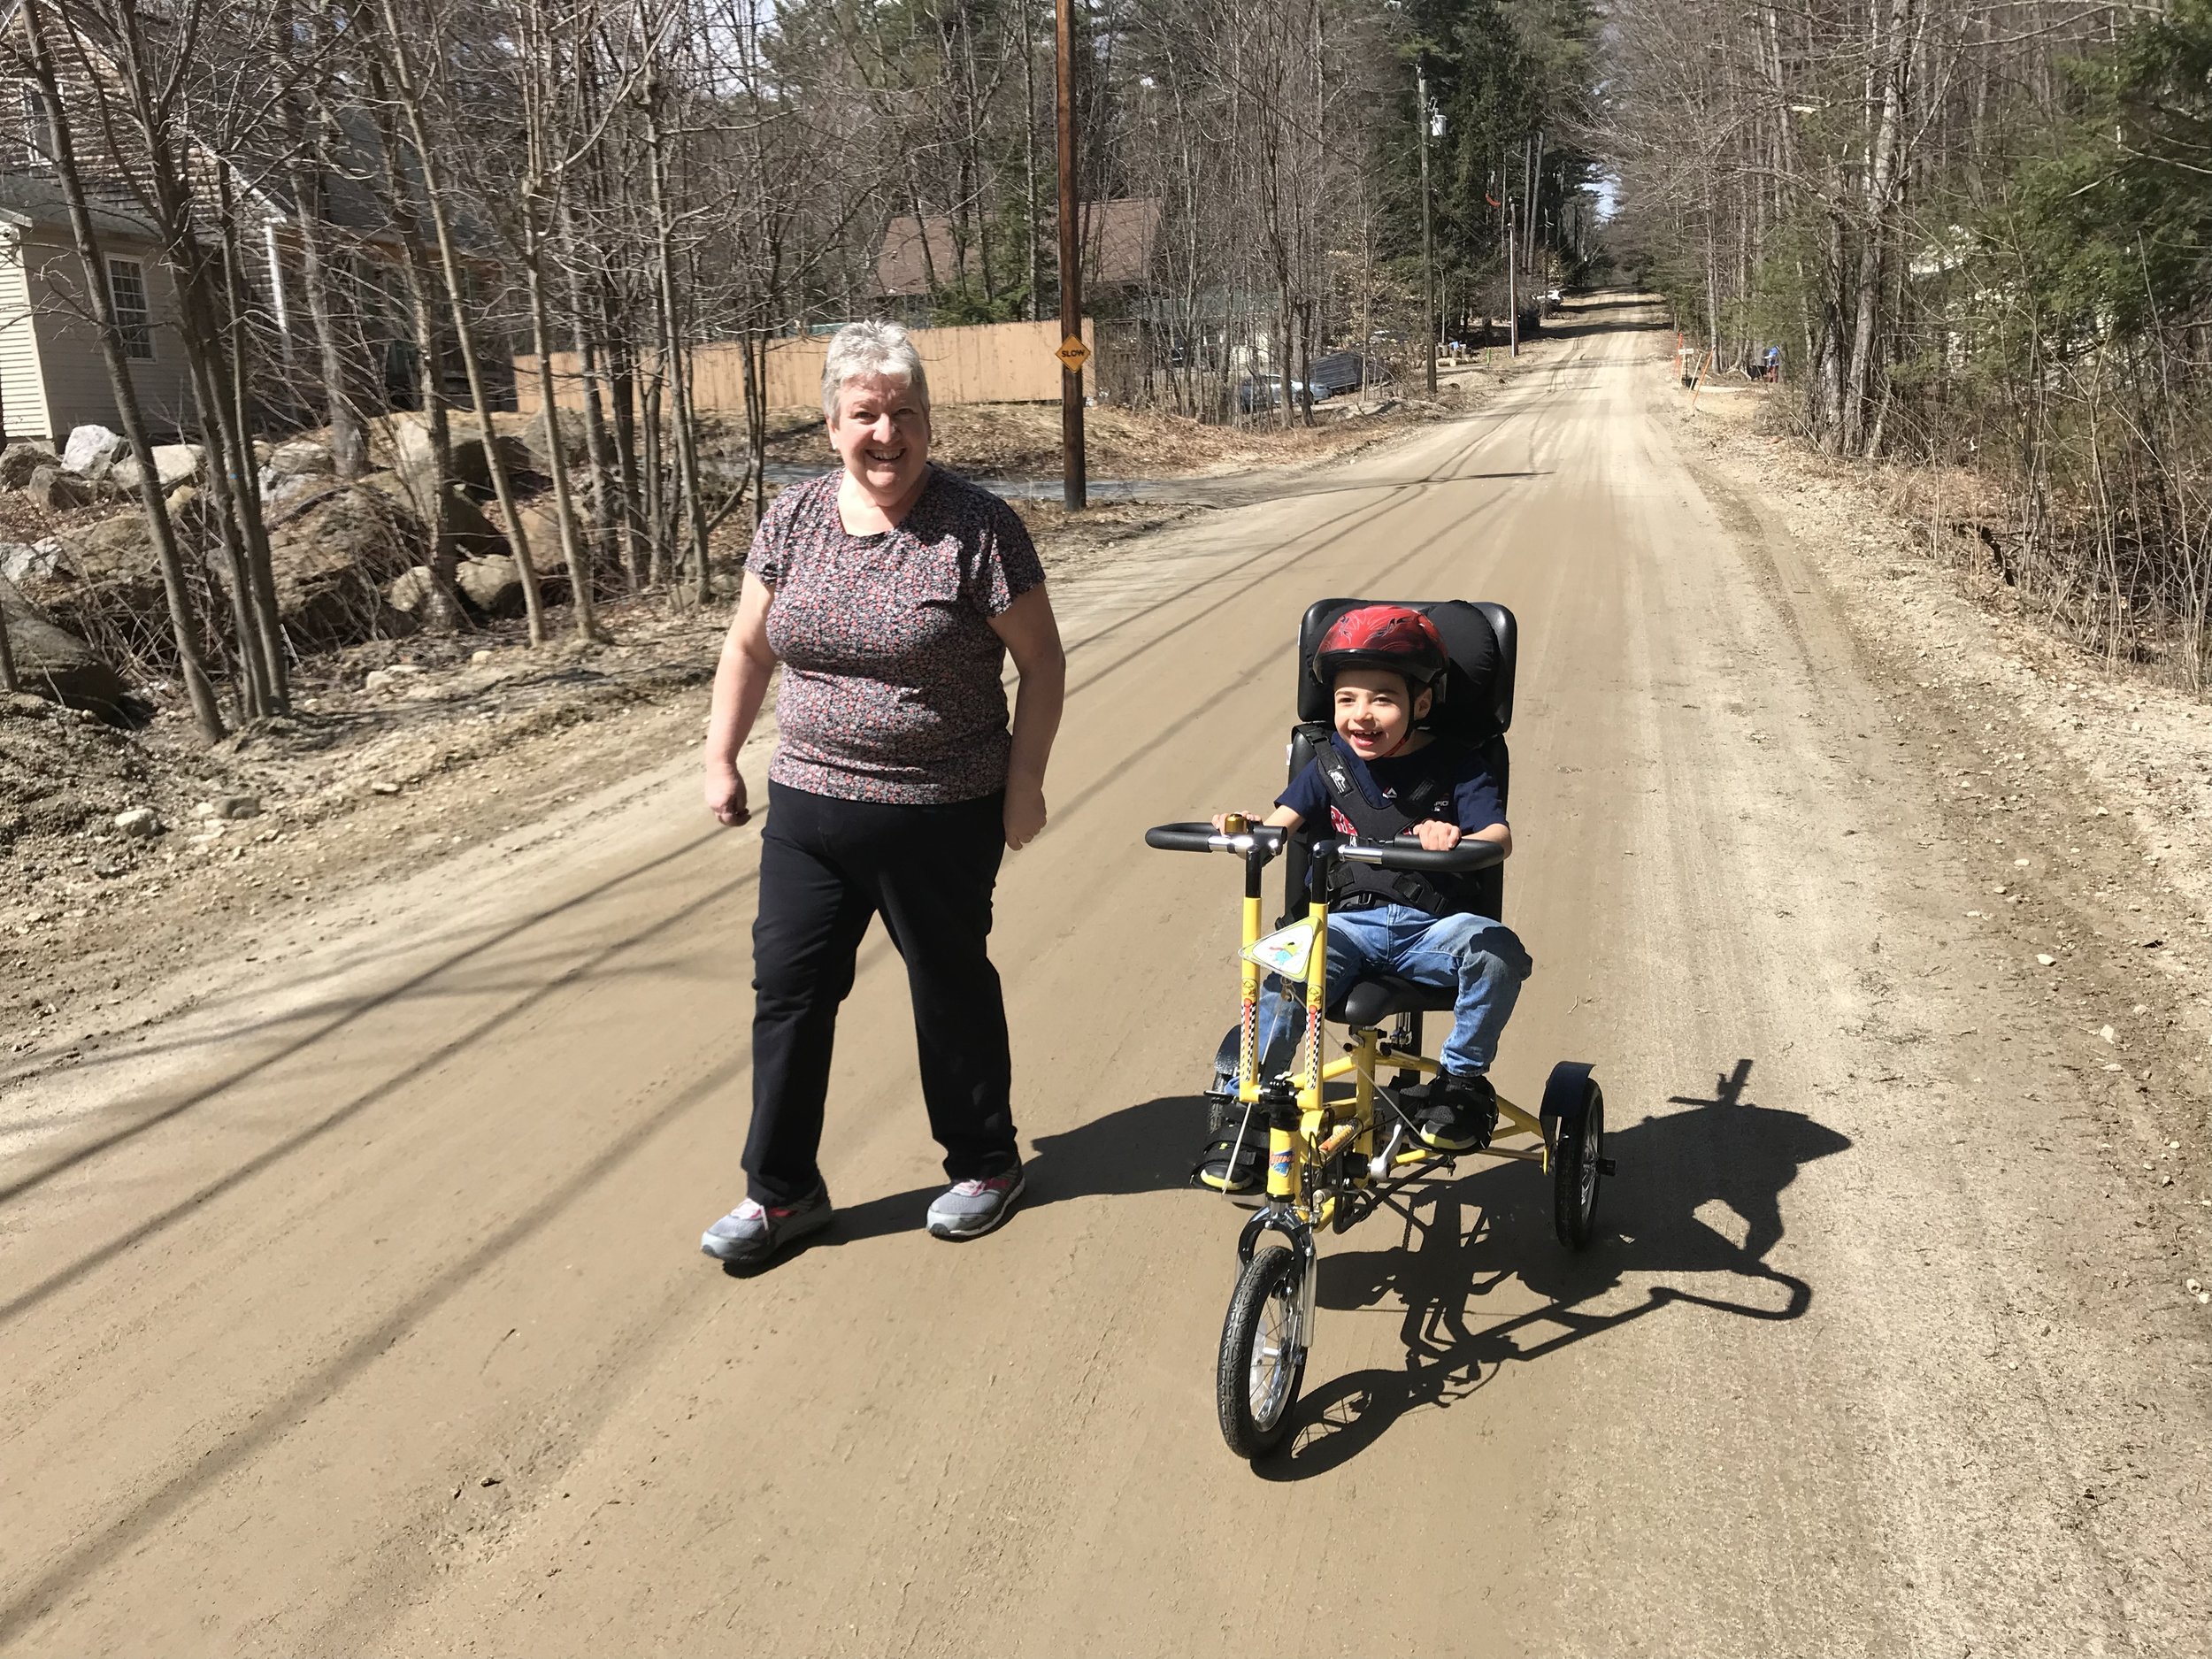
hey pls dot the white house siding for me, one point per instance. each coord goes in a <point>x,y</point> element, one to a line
<point>22,392</point>
<point>77,389</point>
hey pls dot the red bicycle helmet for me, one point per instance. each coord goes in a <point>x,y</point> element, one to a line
<point>1395,637</point>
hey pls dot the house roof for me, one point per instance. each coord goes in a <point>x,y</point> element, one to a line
<point>1117,241</point>
<point>38,197</point>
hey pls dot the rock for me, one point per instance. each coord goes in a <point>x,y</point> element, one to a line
<point>481,657</point>
<point>542,526</point>
<point>575,444</point>
<point>24,705</point>
<point>297,457</point>
<point>117,546</point>
<point>58,666</point>
<point>493,585</point>
<point>412,589</point>
<point>174,463</point>
<point>332,559</point>
<point>25,561</point>
<point>295,468</point>
<point>22,458</point>
<point>378,679</point>
<point>475,535</point>
<point>2046,959</point>
<point>139,822</point>
<point>382,787</point>
<point>468,463</point>
<point>52,490</point>
<point>90,451</point>
<point>231,806</point>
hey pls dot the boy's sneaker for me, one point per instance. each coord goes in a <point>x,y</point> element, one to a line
<point>749,1234</point>
<point>1460,1114</point>
<point>1234,1154</point>
<point>968,1210</point>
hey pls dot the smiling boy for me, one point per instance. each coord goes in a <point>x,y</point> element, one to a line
<point>1383,776</point>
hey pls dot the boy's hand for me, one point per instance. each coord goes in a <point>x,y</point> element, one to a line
<point>1437,836</point>
<point>1221,820</point>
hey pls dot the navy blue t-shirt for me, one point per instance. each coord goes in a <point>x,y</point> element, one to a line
<point>1465,794</point>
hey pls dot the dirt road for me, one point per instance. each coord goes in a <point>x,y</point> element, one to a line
<point>362,1313</point>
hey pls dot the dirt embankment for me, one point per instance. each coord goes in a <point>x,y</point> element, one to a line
<point>397,753</point>
<point>2036,747</point>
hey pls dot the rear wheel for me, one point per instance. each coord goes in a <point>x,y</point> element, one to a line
<point>1577,1155</point>
<point>1263,1353</point>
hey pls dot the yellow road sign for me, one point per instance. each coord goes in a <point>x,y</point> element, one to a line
<point>1073,353</point>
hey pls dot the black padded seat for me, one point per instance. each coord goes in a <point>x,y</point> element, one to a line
<point>1382,996</point>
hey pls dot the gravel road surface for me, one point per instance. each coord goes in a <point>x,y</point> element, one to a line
<point>360,1311</point>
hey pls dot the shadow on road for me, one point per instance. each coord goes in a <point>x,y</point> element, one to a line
<point>1143,1148</point>
<point>1725,1149</point>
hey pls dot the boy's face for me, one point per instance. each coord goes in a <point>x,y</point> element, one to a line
<point>1374,714</point>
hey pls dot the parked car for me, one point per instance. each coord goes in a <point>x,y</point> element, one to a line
<point>1256,392</point>
<point>1341,372</point>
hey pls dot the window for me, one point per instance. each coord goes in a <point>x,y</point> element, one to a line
<point>38,126</point>
<point>126,283</point>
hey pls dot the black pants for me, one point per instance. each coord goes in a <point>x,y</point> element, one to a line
<point>826,866</point>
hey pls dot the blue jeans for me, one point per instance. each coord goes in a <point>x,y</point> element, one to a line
<point>1480,961</point>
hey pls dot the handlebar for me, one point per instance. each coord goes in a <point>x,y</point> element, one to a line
<point>1204,838</point>
<point>1463,859</point>
<point>1267,842</point>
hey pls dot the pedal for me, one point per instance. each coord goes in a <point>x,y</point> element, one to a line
<point>1379,1166</point>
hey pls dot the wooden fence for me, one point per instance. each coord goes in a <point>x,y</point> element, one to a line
<point>990,363</point>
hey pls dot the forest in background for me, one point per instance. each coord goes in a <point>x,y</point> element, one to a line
<point>446,185</point>
<point>1981,233</point>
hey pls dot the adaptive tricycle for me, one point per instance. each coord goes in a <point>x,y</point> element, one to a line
<point>1346,1133</point>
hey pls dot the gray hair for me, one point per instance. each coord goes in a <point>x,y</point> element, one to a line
<point>871,347</point>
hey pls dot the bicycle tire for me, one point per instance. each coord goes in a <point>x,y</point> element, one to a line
<point>1577,1154</point>
<point>1264,1304</point>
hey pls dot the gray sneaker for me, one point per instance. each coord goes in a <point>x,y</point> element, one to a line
<point>749,1234</point>
<point>968,1210</point>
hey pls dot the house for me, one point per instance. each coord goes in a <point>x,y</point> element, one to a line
<point>920,258</point>
<point>52,375</point>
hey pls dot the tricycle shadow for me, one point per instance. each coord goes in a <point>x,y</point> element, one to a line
<point>1724,1149</point>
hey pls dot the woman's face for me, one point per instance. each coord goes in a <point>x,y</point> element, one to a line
<point>881,433</point>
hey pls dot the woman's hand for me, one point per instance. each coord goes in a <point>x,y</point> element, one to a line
<point>1437,836</point>
<point>726,794</point>
<point>1025,813</point>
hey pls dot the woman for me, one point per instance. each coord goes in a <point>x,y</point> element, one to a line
<point>891,593</point>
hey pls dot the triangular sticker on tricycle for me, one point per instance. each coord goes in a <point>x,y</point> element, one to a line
<point>1289,953</point>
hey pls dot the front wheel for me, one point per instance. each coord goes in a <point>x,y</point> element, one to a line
<point>1263,1353</point>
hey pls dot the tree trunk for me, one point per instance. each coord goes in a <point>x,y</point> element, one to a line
<point>349,438</point>
<point>456,291</point>
<point>184,630</point>
<point>444,611</point>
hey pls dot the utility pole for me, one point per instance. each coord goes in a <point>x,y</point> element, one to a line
<point>1512,291</point>
<point>1529,219</point>
<point>1428,234</point>
<point>1074,488</point>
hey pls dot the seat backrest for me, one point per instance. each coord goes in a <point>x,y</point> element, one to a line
<point>1482,639</point>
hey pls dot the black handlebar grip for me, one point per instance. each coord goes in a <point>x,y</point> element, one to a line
<point>1182,838</point>
<point>1204,838</point>
<point>1463,859</point>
